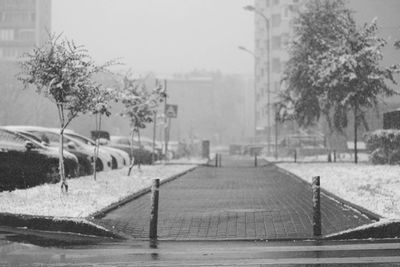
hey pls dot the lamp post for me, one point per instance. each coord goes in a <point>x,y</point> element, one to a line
<point>255,87</point>
<point>267,23</point>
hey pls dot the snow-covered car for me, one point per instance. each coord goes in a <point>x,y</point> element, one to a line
<point>85,160</point>
<point>26,163</point>
<point>120,158</point>
<point>52,137</point>
<point>141,155</point>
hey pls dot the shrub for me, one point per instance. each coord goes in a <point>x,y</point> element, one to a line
<point>384,146</point>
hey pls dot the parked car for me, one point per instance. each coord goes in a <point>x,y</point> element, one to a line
<point>119,157</point>
<point>85,161</point>
<point>139,154</point>
<point>52,137</point>
<point>26,163</point>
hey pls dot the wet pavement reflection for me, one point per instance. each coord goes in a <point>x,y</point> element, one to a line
<point>22,247</point>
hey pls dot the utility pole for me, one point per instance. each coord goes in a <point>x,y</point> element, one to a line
<point>269,57</point>
<point>166,125</point>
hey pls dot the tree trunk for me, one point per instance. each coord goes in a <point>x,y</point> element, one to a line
<point>133,159</point>
<point>154,138</point>
<point>64,184</point>
<point>140,149</point>
<point>355,133</point>
<point>96,148</point>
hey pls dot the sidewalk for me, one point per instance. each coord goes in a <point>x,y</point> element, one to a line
<point>237,201</point>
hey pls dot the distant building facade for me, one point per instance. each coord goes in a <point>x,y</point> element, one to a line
<point>273,29</point>
<point>24,24</point>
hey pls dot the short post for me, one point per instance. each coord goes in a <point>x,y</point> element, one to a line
<point>154,209</point>
<point>255,160</point>
<point>220,160</point>
<point>329,156</point>
<point>216,160</point>
<point>295,155</point>
<point>334,155</point>
<point>316,206</point>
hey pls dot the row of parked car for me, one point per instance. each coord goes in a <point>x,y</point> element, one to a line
<point>29,155</point>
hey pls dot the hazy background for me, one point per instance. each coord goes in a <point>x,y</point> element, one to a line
<point>161,36</point>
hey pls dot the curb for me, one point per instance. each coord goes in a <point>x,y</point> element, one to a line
<point>374,230</point>
<point>103,212</point>
<point>370,215</point>
<point>67,225</point>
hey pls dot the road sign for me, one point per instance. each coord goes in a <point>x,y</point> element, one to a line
<point>171,111</point>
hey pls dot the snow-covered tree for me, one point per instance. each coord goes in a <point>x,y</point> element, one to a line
<point>335,67</point>
<point>62,71</point>
<point>140,104</point>
<point>100,106</point>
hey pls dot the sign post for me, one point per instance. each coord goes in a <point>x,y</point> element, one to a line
<point>171,111</point>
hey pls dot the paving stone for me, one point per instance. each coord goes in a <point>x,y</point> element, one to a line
<point>237,201</point>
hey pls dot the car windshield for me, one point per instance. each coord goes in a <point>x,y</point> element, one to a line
<point>82,139</point>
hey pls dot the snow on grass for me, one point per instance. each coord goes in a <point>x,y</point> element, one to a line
<point>188,161</point>
<point>374,187</point>
<point>85,195</point>
<point>341,157</point>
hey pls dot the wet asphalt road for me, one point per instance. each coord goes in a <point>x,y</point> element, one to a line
<point>72,250</point>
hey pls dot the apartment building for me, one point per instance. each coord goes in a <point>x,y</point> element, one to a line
<point>24,24</point>
<point>273,28</point>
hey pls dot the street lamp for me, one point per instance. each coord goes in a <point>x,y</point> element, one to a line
<point>255,91</point>
<point>267,23</point>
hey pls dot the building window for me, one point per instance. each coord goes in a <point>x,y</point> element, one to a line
<point>26,35</point>
<point>277,86</point>
<point>276,42</point>
<point>6,35</point>
<point>266,42</point>
<point>10,53</point>
<point>33,16</point>
<point>276,20</point>
<point>276,2</point>
<point>285,39</point>
<point>276,65</point>
<point>286,12</point>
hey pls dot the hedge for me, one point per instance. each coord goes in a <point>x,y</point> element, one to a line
<point>384,146</point>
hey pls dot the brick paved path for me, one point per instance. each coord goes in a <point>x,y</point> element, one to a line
<point>236,201</point>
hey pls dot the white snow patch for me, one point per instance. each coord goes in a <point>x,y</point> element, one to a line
<point>85,195</point>
<point>340,157</point>
<point>373,187</point>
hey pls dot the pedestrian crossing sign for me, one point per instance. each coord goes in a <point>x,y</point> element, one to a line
<point>171,111</point>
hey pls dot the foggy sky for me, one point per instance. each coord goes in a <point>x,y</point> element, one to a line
<point>165,36</point>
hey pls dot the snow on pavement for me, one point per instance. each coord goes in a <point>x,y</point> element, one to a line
<point>374,187</point>
<point>85,195</point>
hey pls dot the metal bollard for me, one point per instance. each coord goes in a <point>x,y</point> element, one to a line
<point>329,156</point>
<point>316,206</point>
<point>295,155</point>
<point>334,155</point>
<point>154,209</point>
<point>216,160</point>
<point>220,160</point>
<point>255,160</point>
